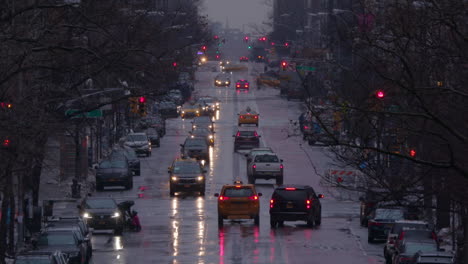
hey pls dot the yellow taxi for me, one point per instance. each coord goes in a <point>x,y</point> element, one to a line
<point>248,116</point>
<point>238,201</point>
<point>190,110</point>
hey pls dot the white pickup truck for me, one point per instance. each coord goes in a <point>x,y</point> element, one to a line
<point>265,166</point>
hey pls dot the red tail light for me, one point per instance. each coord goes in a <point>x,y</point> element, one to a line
<point>255,134</point>
<point>272,203</point>
<point>306,127</point>
<point>238,85</point>
<point>254,197</point>
<point>238,134</point>
<point>246,85</point>
<point>281,166</point>
<point>242,117</point>
<point>375,224</point>
<point>308,203</point>
<point>255,117</point>
<point>290,189</point>
<point>223,198</point>
<point>254,166</point>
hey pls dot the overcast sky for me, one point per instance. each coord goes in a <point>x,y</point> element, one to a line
<point>238,12</point>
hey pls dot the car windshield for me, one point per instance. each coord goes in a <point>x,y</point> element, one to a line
<point>201,132</point>
<point>266,158</point>
<point>190,106</point>
<point>246,133</point>
<point>388,214</point>
<point>195,142</point>
<point>185,167</point>
<point>100,204</point>
<point>238,192</point>
<point>136,138</point>
<point>413,248</point>
<point>259,152</point>
<point>108,164</point>
<point>56,239</point>
<point>33,260</point>
<point>202,119</point>
<point>206,100</point>
<point>290,195</point>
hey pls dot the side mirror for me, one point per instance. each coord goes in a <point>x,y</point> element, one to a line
<point>216,195</point>
<point>259,194</point>
<point>321,196</point>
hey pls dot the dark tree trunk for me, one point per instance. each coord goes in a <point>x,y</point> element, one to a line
<point>3,222</point>
<point>11,225</point>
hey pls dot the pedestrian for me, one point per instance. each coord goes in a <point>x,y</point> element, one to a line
<point>136,221</point>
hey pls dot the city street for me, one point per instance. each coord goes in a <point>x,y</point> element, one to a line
<point>183,229</point>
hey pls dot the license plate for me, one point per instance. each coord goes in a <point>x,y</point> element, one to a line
<point>186,185</point>
<point>102,222</point>
<point>289,206</point>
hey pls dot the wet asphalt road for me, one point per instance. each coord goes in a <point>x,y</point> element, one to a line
<point>183,229</point>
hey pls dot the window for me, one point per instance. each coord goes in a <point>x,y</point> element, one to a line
<point>238,192</point>
<point>290,195</point>
<point>100,204</point>
<point>57,239</point>
<point>266,158</point>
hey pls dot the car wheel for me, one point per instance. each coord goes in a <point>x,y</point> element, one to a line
<point>257,220</point>
<point>118,231</point>
<point>220,220</point>
<point>310,221</point>
<point>273,223</point>
<point>279,180</point>
<point>318,220</point>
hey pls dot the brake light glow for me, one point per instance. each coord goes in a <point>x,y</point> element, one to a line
<point>246,85</point>
<point>255,117</point>
<point>375,224</point>
<point>290,189</point>
<point>254,166</point>
<point>256,134</point>
<point>238,186</point>
<point>254,197</point>
<point>272,203</point>
<point>281,166</point>
<point>308,202</point>
<point>242,117</point>
<point>223,198</point>
<point>306,127</point>
<point>238,134</point>
<point>238,85</point>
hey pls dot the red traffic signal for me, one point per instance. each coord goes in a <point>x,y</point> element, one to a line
<point>284,64</point>
<point>174,64</point>
<point>216,37</point>
<point>142,100</point>
<point>380,94</point>
<point>286,44</point>
<point>412,153</point>
<point>203,48</point>
<point>246,38</point>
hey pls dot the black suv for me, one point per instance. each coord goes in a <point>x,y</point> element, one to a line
<point>295,203</point>
<point>102,213</point>
<point>246,139</point>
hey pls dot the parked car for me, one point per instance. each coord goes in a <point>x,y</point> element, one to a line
<point>139,142</point>
<point>84,240</point>
<point>295,203</point>
<point>407,251</point>
<point>113,173</point>
<point>265,166</point>
<point>153,136</point>
<point>32,257</point>
<point>397,228</point>
<point>102,213</point>
<point>381,221</point>
<point>79,224</point>
<point>66,241</point>
<point>130,156</point>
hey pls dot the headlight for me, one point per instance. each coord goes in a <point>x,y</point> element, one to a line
<point>200,178</point>
<point>87,215</point>
<point>226,82</point>
<point>210,136</point>
<point>197,111</point>
<point>194,126</point>
<point>210,126</point>
<point>217,104</point>
<point>116,214</point>
<point>183,112</point>
<point>174,178</point>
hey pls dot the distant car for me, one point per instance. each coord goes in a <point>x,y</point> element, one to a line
<point>246,139</point>
<point>266,166</point>
<point>248,116</point>
<point>153,136</point>
<point>238,201</point>
<point>203,122</point>
<point>243,59</point>
<point>223,79</point>
<point>186,175</point>
<point>257,151</point>
<point>209,104</point>
<point>131,158</point>
<point>204,132</point>
<point>196,148</point>
<point>114,172</point>
<point>190,110</point>
<point>66,241</point>
<point>295,203</point>
<point>31,257</point>
<point>139,142</point>
<point>381,221</point>
<point>167,109</point>
<point>242,85</point>
<point>102,213</point>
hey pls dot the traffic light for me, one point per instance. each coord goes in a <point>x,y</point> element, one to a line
<point>286,44</point>
<point>284,64</point>
<point>216,37</point>
<point>380,94</point>
<point>217,56</point>
<point>412,153</point>
<point>142,106</point>
<point>246,38</point>
<point>133,104</point>
<point>249,47</point>
<point>174,64</point>
<point>272,43</point>
<point>203,48</point>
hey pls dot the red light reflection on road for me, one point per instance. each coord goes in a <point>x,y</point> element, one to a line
<point>221,247</point>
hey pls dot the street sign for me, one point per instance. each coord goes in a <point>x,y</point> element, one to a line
<point>91,114</point>
<point>305,68</point>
